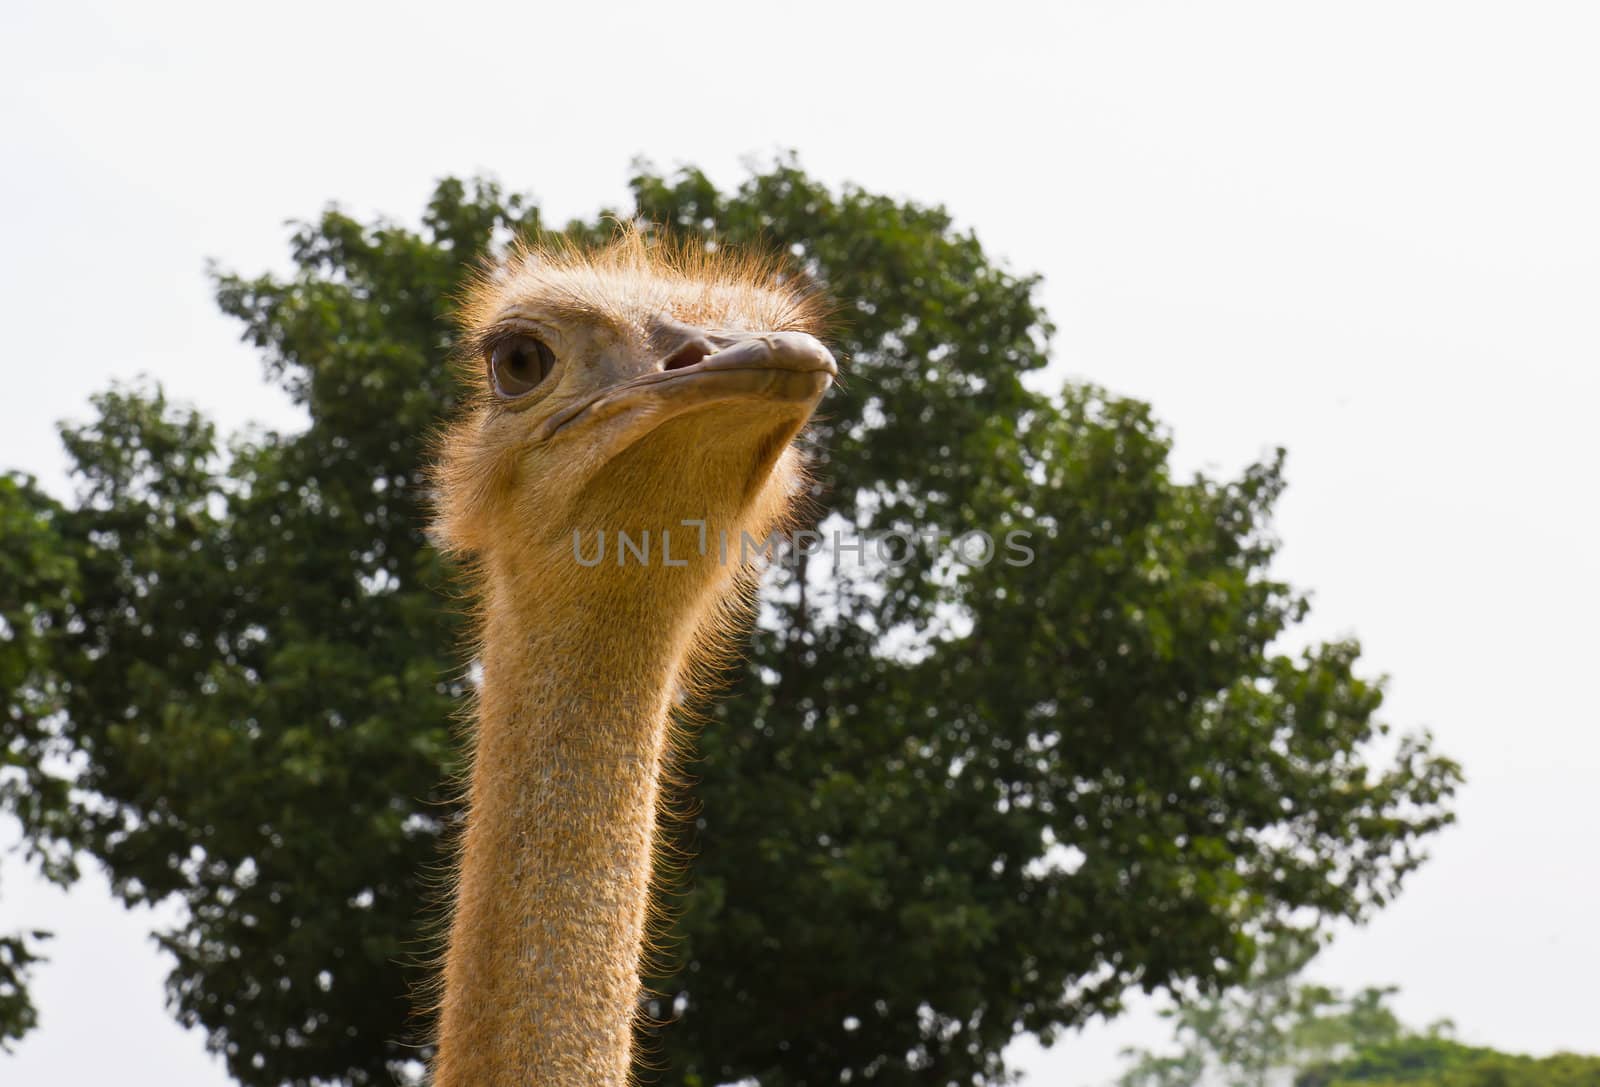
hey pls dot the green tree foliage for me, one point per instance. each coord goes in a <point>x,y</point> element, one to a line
<point>1276,1027</point>
<point>945,801</point>
<point>1273,1021</point>
<point>18,952</point>
<point>38,580</point>
<point>1432,1061</point>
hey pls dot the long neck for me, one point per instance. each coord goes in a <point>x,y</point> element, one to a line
<point>541,978</point>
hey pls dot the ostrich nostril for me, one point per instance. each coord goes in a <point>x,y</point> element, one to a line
<point>687,353</point>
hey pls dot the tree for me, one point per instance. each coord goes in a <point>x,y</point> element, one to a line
<point>1277,1028</point>
<point>17,1013</point>
<point>1255,1033</point>
<point>946,800</point>
<point>1428,1060</point>
<point>37,580</point>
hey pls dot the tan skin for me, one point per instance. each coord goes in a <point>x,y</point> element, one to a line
<point>622,391</point>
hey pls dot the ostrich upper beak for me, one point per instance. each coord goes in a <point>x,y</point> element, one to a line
<point>788,371</point>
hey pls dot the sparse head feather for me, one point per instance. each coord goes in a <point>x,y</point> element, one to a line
<point>641,274</point>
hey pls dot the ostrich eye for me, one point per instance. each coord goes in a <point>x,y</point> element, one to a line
<point>517,365</point>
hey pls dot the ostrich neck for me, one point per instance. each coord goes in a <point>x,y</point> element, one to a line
<point>542,974</point>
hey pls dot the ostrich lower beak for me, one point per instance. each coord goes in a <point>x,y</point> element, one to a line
<point>788,371</point>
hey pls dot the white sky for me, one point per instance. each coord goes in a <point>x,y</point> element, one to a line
<point>1367,231</point>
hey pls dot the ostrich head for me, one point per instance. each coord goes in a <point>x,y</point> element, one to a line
<point>628,389</point>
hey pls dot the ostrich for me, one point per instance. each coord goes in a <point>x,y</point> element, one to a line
<point>630,391</point>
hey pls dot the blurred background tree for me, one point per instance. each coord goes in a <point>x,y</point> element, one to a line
<point>1276,1029</point>
<point>944,802</point>
<point>1429,1060</point>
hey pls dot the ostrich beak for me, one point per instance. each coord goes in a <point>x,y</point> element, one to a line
<point>777,373</point>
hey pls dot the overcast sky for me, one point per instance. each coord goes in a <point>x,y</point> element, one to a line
<point>1369,232</point>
